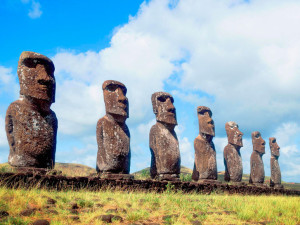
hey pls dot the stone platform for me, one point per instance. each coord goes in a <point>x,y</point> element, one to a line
<point>29,180</point>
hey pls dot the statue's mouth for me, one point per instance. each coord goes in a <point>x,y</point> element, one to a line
<point>122,106</point>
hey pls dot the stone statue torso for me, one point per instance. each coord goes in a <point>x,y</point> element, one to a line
<point>164,149</point>
<point>257,174</point>
<point>113,146</point>
<point>275,171</point>
<point>205,166</point>
<point>31,135</point>
<point>233,164</point>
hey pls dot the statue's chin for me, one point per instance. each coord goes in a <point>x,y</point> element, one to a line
<point>120,118</point>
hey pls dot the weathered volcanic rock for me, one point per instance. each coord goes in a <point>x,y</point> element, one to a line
<point>3,214</point>
<point>164,147</point>
<point>232,155</point>
<point>257,173</point>
<point>205,167</point>
<point>275,180</point>
<point>41,222</point>
<point>31,126</point>
<point>113,135</point>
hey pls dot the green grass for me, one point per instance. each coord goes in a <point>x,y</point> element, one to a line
<point>139,207</point>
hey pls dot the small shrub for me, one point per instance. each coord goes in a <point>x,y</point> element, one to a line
<point>170,187</point>
<point>84,203</point>
<point>186,177</point>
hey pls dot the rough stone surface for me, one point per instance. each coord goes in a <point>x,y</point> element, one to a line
<point>74,217</point>
<point>3,214</point>
<point>41,222</point>
<point>257,172</point>
<point>27,212</point>
<point>163,142</point>
<point>109,218</point>
<point>205,166</point>
<point>31,126</point>
<point>232,155</point>
<point>63,183</point>
<point>275,180</point>
<point>51,201</point>
<point>113,135</point>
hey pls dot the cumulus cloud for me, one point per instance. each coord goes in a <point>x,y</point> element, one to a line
<point>3,140</point>
<point>8,84</point>
<point>186,152</point>
<point>35,9</point>
<point>239,58</point>
<point>230,50</point>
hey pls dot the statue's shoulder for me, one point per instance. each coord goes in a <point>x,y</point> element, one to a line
<point>156,128</point>
<point>198,139</point>
<point>102,121</point>
<point>228,148</point>
<point>15,106</point>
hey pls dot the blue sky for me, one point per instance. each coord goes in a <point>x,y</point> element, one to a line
<point>240,58</point>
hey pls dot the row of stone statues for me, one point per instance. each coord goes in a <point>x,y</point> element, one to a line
<point>31,128</point>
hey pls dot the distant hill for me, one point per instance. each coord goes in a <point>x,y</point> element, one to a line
<point>186,175</point>
<point>73,169</point>
<point>145,173</point>
<point>67,169</point>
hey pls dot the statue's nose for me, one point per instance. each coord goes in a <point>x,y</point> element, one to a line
<point>170,106</point>
<point>42,73</point>
<point>121,96</point>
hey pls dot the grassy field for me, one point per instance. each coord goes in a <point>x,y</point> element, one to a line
<point>70,207</point>
<point>85,207</point>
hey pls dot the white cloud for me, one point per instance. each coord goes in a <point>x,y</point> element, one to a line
<point>293,171</point>
<point>187,152</point>
<point>230,50</point>
<point>285,135</point>
<point>35,10</point>
<point>8,83</point>
<point>3,140</point>
<point>244,56</point>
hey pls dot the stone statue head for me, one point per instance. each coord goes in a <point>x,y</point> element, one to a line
<point>116,102</point>
<point>163,107</point>
<point>258,143</point>
<point>235,136</point>
<point>36,76</point>
<point>274,147</point>
<point>206,123</point>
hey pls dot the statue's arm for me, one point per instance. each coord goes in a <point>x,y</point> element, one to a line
<point>55,127</point>
<point>9,127</point>
<point>152,139</point>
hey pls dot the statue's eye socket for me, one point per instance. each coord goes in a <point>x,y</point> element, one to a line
<point>162,98</point>
<point>257,136</point>
<point>207,113</point>
<point>111,87</point>
<point>273,141</point>
<point>31,63</point>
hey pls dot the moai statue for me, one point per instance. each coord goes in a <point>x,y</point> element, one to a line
<point>232,155</point>
<point>275,180</point>
<point>205,167</point>
<point>164,147</point>
<point>257,173</point>
<point>113,137</point>
<point>31,126</point>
